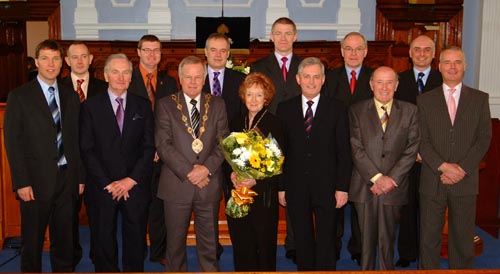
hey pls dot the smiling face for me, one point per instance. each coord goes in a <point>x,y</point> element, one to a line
<point>422,52</point>
<point>254,99</point>
<point>452,66</point>
<point>310,80</point>
<point>192,78</point>
<point>217,52</point>
<point>79,59</point>
<point>384,83</point>
<point>118,75</point>
<point>149,54</point>
<point>49,63</point>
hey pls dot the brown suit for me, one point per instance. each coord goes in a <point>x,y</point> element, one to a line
<point>180,196</point>
<point>391,153</point>
<point>464,143</point>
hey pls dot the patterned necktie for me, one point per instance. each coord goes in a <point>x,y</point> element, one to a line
<point>216,90</point>
<point>384,118</point>
<point>56,115</point>
<point>452,106</point>
<point>283,67</point>
<point>352,83</point>
<point>195,118</point>
<point>420,82</point>
<point>150,90</point>
<point>120,113</point>
<point>79,89</point>
<point>308,118</point>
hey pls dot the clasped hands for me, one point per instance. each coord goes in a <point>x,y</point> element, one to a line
<point>451,173</point>
<point>383,185</point>
<point>119,189</point>
<point>198,176</point>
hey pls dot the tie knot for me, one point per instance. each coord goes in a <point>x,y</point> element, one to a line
<point>353,73</point>
<point>284,59</point>
<point>80,81</point>
<point>150,76</point>
<point>421,75</point>
<point>216,74</point>
<point>193,102</point>
<point>310,103</point>
<point>384,108</point>
<point>119,100</point>
<point>51,90</point>
<point>452,91</point>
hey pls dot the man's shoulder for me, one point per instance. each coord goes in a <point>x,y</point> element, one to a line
<point>264,61</point>
<point>234,75</point>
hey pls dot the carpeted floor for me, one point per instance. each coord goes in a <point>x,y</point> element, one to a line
<point>487,260</point>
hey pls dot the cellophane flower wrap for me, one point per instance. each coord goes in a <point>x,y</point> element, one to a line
<point>250,156</point>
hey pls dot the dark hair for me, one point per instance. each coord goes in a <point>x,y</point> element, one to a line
<point>260,80</point>
<point>284,21</point>
<point>48,44</point>
<point>148,38</point>
<point>215,36</point>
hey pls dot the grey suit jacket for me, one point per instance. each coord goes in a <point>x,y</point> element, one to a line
<point>464,143</point>
<point>392,153</point>
<point>173,144</point>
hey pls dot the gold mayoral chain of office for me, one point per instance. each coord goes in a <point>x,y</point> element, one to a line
<point>197,144</point>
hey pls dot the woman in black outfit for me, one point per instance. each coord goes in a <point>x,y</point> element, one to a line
<point>254,236</point>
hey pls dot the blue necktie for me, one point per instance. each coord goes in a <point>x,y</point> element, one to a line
<point>308,119</point>
<point>420,82</point>
<point>56,115</point>
<point>216,89</point>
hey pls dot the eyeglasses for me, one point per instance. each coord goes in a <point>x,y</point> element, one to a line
<point>149,51</point>
<point>351,50</point>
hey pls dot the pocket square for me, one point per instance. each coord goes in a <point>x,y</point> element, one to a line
<point>137,116</point>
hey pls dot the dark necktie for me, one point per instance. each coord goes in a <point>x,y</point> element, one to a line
<point>150,90</point>
<point>216,90</point>
<point>384,118</point>
<point>120,113</point>
<point>308,118</point>
<point>352,83</point>
<point>56,115</point>
<point>420,82</point>
<point>79,89</point>
<point>283,67</point>
<point>195,118</point>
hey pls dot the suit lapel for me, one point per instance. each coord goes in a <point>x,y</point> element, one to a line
<point>374,118</point>
<point>39,100</point>
<point>463,103</point>
<point>394,117</point>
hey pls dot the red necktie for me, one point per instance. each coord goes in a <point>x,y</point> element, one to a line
<point>283,67</point>
<point>352,84</point>
<point>150,90</point>
<point>308,118</point>
<point>79,89</point>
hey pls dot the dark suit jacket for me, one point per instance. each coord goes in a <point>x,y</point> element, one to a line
<point>464,143</point>
<point>173,144</point>
<point>407,88</point>
<point>284,90</point>
<point>392,153</point>
<point>165,85</point>
<point>230,89</point>
<point>337,85</point>
<point>30,136</point>
<point>108,155</point>
<point>321,163</point>
<point>95,85</point>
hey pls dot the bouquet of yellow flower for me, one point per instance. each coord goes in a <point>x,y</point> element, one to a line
<point>250,156</point>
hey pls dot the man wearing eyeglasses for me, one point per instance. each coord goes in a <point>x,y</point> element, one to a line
<point>151,83</point>
<point>350,84</point>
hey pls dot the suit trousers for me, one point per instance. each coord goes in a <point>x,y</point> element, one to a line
<point>156,220</point>
<point>377,223</point>
<point>461,223</point>
<point>58,214</point>
<point>134,214</point>
<point>177,219</point>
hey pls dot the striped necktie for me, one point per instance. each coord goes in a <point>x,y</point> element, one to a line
<point>384,118</point>
<point>216,89</point>
<point>420,82</point>
<point>195,118</point>
<point>56,115</point>
<point>79,89</point>
<point>150,89</point>
<point>308,118</point>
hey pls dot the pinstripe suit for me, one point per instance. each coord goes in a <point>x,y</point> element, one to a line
<point>464,143</point>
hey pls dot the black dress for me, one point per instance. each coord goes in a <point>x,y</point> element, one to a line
<point>254,237</point>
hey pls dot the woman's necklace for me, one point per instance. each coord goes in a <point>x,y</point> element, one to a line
<point>255,124</point>
<point>197,144</point>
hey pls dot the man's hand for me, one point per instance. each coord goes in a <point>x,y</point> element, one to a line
<point>156,158</point>
<point>203,183</point>
<point>281,198</point>
<point>451,172</point>
<point>26,194</point>
<point>386,184</point>
<point>341,198</point>
<point>81,188</point>
<point>376,190</point>
<point>198,175</point>
<point>419,158</point>
<point>119,189</point>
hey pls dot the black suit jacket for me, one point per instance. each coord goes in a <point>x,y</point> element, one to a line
<point>230,88</point>
<point>407,87</point>
<point>30,136</point>
<point>321,164</point>
<point>337,85</point>
<point>284,90</point>
<point>165,85</point>
<point>108,155</point>
<point>95,85</point>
